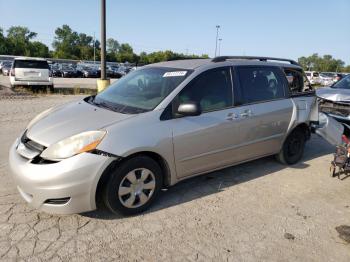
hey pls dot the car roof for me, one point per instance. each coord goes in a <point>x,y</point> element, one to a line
<point>192,64</point>
<point>30,58</point>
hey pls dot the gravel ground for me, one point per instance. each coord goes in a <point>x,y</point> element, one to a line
<point>258,211</point>
<point>59,82</point>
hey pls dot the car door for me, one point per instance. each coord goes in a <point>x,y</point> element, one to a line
<point>203,143</point>
<point>265,109</point>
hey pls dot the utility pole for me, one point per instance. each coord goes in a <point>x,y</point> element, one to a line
<point>216,40</point>
<point>103,39</point>
<point>103,83</point>
<point>220,39</point>
<point>94,48</point>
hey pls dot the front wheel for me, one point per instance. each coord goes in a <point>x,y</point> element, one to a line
<point>133,186</point>
<point>293,147</point>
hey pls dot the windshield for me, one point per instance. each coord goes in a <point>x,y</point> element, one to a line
<point>344,83</point>
<point>141,90</point>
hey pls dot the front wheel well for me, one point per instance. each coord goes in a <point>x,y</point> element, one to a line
<point>305,128</point>
<point>105,175</point>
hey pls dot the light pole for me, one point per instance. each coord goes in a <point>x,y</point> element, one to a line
<point>220,39</point>
<point>103,82</point>
<point>94,48</point>
<point>216,41</point>
<point>103,39</point>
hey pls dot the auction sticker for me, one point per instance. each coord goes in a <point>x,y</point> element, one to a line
<point>175,73</point>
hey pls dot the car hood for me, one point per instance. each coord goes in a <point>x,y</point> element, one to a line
<point>71,119</point>
<point>334,94</point>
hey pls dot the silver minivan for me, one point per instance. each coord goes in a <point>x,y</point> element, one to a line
<point>158,125</point>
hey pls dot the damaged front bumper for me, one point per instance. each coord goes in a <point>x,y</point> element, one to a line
<point>330,129</point>
<point>335,102</point>
<point>338,110</point>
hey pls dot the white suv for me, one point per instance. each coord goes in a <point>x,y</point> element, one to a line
<point>314,77</point>
<point>31,72</point>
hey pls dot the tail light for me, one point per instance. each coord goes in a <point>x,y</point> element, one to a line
<point>12,72</point>
<point>345,139</point>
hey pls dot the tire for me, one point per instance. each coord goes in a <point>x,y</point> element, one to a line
<point>123,196</point>
<point>293,147</point>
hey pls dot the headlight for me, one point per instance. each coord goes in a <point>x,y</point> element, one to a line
<point>73,145</point>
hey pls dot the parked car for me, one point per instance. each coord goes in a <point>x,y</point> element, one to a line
<point>5,63</point>
<point>335,100</point>
<point>6,68</point>
<point>68,71</point>
<point>114,72</point>
<point>88,72</point>
<point>326,79</point>
<point>314,77</point>
<point>157,126</point>
<point>55,71</point>
<point>28,71</point>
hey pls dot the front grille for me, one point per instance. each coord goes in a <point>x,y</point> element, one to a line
<point>31,144</point>
<point>335,108</point>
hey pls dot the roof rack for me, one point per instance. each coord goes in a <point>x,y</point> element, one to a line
<point>260,58</point>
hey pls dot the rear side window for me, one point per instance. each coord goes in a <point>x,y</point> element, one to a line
<point>31,64</point>
<point>260,84</point>
<point>211,89</point>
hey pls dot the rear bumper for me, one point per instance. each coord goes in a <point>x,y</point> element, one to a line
<point>15,82</point>
<point>72,181</point>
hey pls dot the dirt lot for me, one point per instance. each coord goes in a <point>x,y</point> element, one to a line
<point>59,82</point>
<point>259,211</point>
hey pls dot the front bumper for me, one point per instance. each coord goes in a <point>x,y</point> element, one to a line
<point>74,180</point>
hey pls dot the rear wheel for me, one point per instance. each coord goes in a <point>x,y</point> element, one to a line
<point>293,147</point>
<point>133,186</point>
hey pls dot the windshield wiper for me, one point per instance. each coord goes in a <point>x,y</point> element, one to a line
<point>124,109</point>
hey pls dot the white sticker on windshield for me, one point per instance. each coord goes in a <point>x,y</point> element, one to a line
<point>175,73</point>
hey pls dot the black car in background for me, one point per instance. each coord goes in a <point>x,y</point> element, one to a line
<point>55,71</point>
<point>68,71</point>
<point>88,72</point>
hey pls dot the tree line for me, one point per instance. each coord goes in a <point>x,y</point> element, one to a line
<point>324,63</point>
<point>69,44</point>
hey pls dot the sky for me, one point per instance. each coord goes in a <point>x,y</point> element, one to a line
<point>279,28</point>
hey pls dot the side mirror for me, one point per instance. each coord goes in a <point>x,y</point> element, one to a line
<point>189,109</point>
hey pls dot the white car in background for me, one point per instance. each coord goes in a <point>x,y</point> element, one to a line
<point>27,71</point>
<point>314,77</point>
<point>326,79</point>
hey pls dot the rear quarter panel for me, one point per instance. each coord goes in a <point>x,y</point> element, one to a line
<point>304,108</point>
